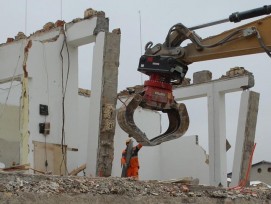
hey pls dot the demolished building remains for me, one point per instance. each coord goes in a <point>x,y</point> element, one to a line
<point>51,125</point>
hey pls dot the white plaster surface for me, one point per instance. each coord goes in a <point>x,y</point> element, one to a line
<point>81,33</point>
<point>9,135</point>
<point>184,158</point>
<point>44,66</point>
<point>11,58</point>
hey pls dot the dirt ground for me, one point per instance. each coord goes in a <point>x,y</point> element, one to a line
<point>23,188</point>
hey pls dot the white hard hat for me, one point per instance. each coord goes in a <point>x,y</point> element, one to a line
<point>128,140</point>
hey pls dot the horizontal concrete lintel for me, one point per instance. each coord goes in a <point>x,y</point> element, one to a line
<point>226,85</point>
<point>82,32</point>
<point>82,41</point>
<point>43,36</point>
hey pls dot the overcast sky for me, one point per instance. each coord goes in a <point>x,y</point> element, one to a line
<point>156,18</point>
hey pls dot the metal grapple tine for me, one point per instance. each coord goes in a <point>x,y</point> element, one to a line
<point>178,122</point>
<point>126,120</point>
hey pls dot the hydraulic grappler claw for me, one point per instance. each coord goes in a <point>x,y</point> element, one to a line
<point>157,95</point>
<point>166,65</point>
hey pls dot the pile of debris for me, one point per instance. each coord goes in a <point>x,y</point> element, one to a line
<point>17,186</point>
<point>236,71</point>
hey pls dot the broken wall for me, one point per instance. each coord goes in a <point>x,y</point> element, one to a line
<point>10,93</point>
<point>47,66</point>
<point>184,157</point>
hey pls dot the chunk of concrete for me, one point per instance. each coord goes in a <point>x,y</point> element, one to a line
<point>202,76</point>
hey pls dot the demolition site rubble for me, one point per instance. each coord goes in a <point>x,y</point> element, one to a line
<point>16,188</point>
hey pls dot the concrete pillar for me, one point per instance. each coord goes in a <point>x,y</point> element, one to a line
<point>108,105</point>
<point>95,105</point>
<point>103,104</point>
<point>217,138</point>
<point>245,135</point>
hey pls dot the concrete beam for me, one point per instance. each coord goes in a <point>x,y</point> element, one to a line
<point>85,31</point>
<point>223,85</point>
<point>245,135</point>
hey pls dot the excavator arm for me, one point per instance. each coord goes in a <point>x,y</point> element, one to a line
<point>248,39</point>
<point>167,63</point>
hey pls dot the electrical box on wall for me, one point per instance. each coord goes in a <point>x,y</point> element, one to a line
<point>43,109</point>
<point>44,128</point>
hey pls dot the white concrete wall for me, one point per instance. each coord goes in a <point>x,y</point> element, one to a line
<point>9,135</point>
<point>184,158</point>
<point>83,127</point>
<point>11,58</point>
<point>10,123</point>
<point>12,97</point>
<point>44,67</point>
<point>10,92</point>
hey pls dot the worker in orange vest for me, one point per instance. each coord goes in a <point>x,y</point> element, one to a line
<point>129,159</point>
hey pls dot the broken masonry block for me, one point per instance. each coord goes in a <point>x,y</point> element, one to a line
<point>89,13</point>
<point>236,71</point>
<point>202,76</point>
<point>59,23</point>
<point>10,40</point>
<point>48,26</point>
<point>101,14</point>
<point>76,20</point>
<point>20,36</point>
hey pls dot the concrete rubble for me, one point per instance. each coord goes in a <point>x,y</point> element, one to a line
<point>236,71</point>
<point>18,188</point>
<point>202,76</point>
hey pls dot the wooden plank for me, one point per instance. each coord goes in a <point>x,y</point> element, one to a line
<point>21,167</point>
<point>78,170</point>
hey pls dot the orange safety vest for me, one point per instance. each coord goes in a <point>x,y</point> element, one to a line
<point>134,163</point>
